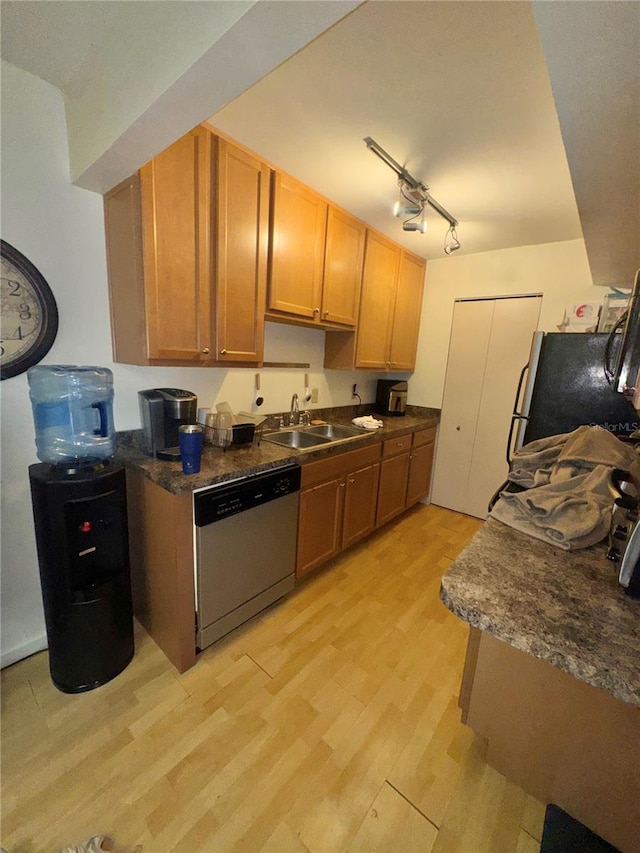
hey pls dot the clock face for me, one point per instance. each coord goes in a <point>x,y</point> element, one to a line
<point>29,317</point>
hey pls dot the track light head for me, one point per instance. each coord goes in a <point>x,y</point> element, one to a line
<point>398,210</point>
<point>451,242</point>
<point>415,226</point>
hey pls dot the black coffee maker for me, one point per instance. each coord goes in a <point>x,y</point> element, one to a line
<point>391,397</point>
<point>163,411</point>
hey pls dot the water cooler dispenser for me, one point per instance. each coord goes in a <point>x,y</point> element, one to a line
<point>80,514</point>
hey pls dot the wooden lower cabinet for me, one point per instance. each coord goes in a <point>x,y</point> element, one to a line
<point>360,504</point>
<point>420,465</point>
<point>320,524</point>
<point>405,472</point>
<point>337,505</point>
<point>394,474</point>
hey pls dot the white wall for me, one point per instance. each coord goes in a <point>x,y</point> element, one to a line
<point>559,271</point>
<point>60,228</point>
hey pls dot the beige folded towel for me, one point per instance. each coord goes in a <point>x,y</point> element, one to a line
<point>568,502</point>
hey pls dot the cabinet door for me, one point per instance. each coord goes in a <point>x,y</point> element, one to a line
<point>360,504</point>
<point>378,286</point>
<point>343,259</point>
<point>297,250</point>
<point>406,314</point>
<point>393,487</point>
<point>420,465</point>
<point>319,524</point>
<point>242,230</point>
<point>176,198</point>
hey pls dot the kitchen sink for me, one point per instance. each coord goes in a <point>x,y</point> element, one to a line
<point>334,432</point>
<point>296,438</point>
<point>312,436</point>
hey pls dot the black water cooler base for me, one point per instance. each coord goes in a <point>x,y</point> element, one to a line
<point>83,553</point>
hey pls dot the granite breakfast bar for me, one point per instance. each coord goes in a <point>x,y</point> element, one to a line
<point>552,674</point>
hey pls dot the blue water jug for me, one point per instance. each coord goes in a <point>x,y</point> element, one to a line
<point>73,413</point>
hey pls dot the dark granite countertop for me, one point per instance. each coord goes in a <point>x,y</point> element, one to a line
<point>219,466</point>
<point>565,607</point>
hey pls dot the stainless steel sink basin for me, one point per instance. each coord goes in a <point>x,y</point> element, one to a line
<point>335,432</point>
<point>296,438</point>
<point>312,436</point>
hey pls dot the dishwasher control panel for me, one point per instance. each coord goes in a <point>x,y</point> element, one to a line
<point>224,500</point>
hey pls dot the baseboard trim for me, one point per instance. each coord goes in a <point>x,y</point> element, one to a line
<point>11,656</point>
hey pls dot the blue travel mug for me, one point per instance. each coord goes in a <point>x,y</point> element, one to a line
<point>191,439</point>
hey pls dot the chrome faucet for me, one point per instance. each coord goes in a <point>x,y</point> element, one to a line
<point>294,410</point>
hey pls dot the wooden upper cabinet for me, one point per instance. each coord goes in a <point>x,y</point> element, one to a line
<point>390,306</point>
<point>298,228</point>
<point>175,192</point>
<point>378,289</point>
<point>405,327</point>
<point>343,259</point>
<point>241,255</point>
<point>187,250</point>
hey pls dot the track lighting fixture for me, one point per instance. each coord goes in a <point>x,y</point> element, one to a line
<point>414,199</point>
<point>451,242</point>
<point>415,226</point>
<point>405,211</point>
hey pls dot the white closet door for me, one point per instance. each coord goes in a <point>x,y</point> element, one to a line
<point>514,322</point>
<point>489,346</point>
<point>468,346</point>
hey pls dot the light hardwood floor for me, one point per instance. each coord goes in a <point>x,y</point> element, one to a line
<point>328,724</point>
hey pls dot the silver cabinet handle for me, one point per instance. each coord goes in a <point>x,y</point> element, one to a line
<point>205,350</point>
<point>223,352</point>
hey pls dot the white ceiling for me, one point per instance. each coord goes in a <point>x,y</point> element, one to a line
<point>458,92</point>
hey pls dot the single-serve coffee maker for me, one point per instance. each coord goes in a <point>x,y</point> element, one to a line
<point>163,411</point>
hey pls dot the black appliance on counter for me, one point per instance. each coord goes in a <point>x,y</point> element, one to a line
<point>566,387</point>
<point>391,397</point>
<point>80,516</point>
<point>163,411</point>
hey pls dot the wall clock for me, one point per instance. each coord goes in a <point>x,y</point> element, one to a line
<point>29,313</point>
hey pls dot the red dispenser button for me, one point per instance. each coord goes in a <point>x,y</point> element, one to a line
<point>85,527</point>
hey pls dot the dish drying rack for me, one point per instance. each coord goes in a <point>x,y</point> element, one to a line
<point>238,435</point>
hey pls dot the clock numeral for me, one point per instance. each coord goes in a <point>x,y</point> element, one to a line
<point>15,287</point>
<point>25,311</point>
<point>16,336</point>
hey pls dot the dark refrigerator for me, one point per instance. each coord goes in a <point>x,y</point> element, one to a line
<point>564,386</point>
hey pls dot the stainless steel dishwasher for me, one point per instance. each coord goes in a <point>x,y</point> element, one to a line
<point>245,549</point>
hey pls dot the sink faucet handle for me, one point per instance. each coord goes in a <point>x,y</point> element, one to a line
<point>305,418</point>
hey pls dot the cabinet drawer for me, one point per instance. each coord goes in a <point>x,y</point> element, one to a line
<point>341,463</point>
<point>392,446</point>
<point>424,436</point>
